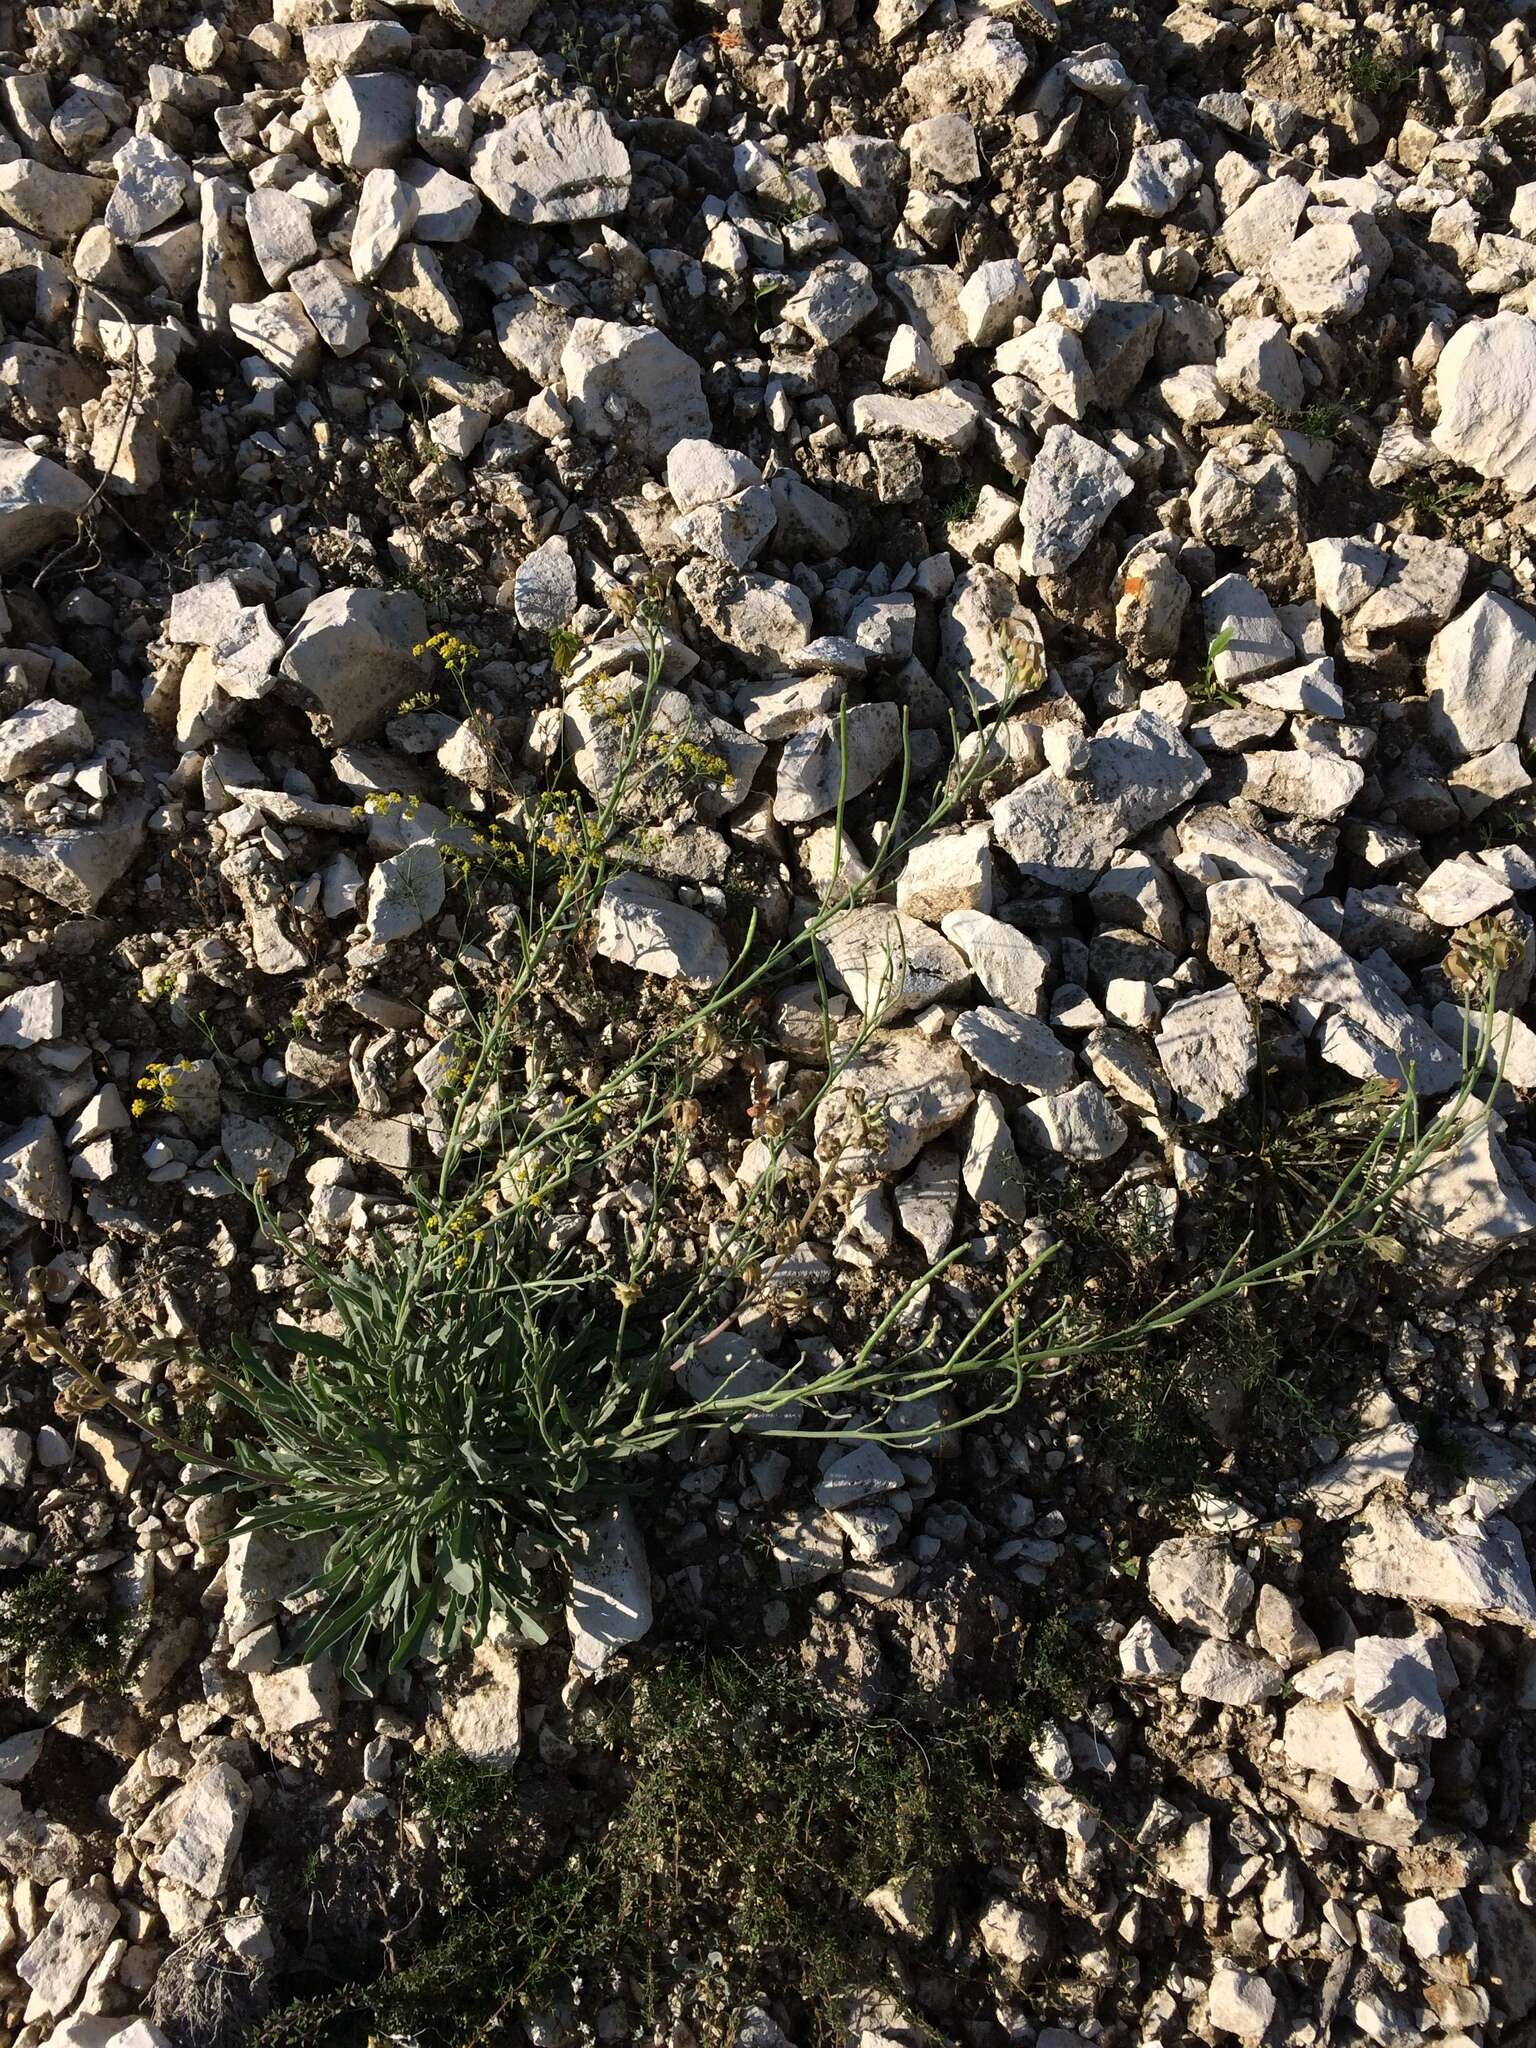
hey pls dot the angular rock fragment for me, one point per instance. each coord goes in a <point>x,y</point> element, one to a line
<point>354,657</point>
<point>1480,676</point>
<point>211,1810</point>
<point>890,1099</point>
<point>1011,966</point>
<point>40,734</point>
<point>1064,830</point>
<point>1197,1583</point>
<point>1074,485</point>
<point>1473,1570</point>
<point>1275,953</point>
<point>765,620</point>
<point>1208,1047</point>
<point>1016,1049</point>
<point>837,297</point>
<point>560,162</point>
<point>833,758</point>
<point>39,503</point>
<point>640,926</point>
<point>634,385</point>
<point>1080,1124</point>
<point>889,963</point>
<point>1486,383</point>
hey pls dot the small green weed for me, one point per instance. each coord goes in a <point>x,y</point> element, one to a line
<point>1208,688</point>
<point>1322,420</point>
<point>1440,505</point>
<point>484,1386</point>
<point>47,1620</point>
<point>1442,1448</point>
<point>1513,818</point>
<point>959,506</point>
<point>565,645</point>
<point>1374,74</point>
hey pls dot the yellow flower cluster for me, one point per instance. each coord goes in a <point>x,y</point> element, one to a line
<point>560,828</point>
<point>452,650</point>
<point>459,1223</point>
<point>385,801</point>
<point>157,1086</point>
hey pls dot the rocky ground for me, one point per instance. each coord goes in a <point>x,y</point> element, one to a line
<point>1133,406</point>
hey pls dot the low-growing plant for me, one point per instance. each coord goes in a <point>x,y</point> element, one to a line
<point>52,1628</point>
<point>1377,74</point>
<point>487,1380</point>
<point>1441,505</point>
<point>750,1822</point>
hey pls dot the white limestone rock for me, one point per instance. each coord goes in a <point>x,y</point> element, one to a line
<point>732,530</point>
<point>1080,1124</point>
<point>1145,1652</point>
<point>1485,380</point>
<point>152,182</point>
<point>640,926</point>
<point>892,1099</point>
<point>989,1167</point>
<point>1011,966</point>
<point>1064,830</point>
<point>1272,951</point>
<point>373,114</point>
<point>39,735</point>
<point>1480,676</point>
<point>1327,1740</point>
<point>1300,783</point>
<point>386,212</point>
<point>700,472</point>
<point>1198,1584</point>
<point>338,309</point>
<point>1016,1049</point>
<point>1457,892</point>
<point>947,419</point>
<point>279,330</point>
<point>55,1966</point>
<point>1073,486</point>
<point>544,588</point>
<point>353,657</point>
<point>609,1603</point>
<point>1328,272</point>
<point>209,1814</point>
<point>634,385</point>
<point>1466,1206</point>
<point>811,770</point>
<point>838,296</point>
<point>1159,177</point>
<point>1244,629</point>
<point>1239,2002</point>
<point>1397,1686</point>
<point>282,232</point>
<point>555,163</point>
<point>948,873</point>
<point>34,1171</point>
<point>766,620</point>
<point>1229,1675</point>
<point>890,964</point>
<point>1475,1571</point>
<point>39,502</point>
<point>1208,1048</point>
